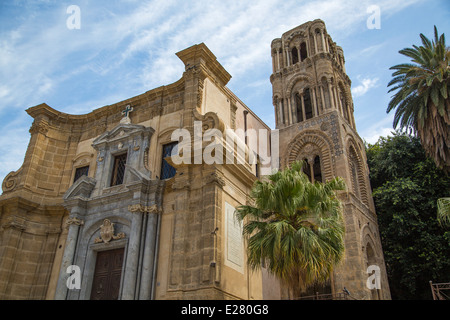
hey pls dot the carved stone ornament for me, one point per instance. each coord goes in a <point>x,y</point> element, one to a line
<point>39,127</point>
<point>74,221</point>
<point>107,232</point>
<point>11,180</point>
<point>141,208</point>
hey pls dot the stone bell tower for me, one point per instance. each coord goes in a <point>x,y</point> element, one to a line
<point>314,115</point>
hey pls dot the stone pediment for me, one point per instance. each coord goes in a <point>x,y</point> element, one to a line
<point>82,188</point>
<point>122,131</point>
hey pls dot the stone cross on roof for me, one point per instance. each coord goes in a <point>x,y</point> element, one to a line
<point>126,113</point>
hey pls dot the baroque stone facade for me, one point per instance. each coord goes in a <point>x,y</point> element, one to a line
<point>101,192</point>
<point>92,193</point>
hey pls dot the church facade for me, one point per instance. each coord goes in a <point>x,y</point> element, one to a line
<point>102,209</point>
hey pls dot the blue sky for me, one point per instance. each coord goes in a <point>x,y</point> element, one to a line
<point>124,48</point>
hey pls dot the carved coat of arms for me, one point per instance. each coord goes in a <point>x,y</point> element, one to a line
<point>107,232</point>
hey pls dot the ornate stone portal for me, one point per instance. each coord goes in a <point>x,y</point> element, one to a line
<point>107,208</point>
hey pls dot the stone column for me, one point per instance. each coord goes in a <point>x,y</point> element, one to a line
<point>73,224</point>
<point>315,43</point>
<point>294,108</point>
<point>288,61</point>
<point>308,46</point>
<point>131,268</point>
<point>303,108</point>
<point>339,102</point>
<point>323,98</point>
<point>313,90</point>
<point>330,92</point>
<point>278,59</point>
<point>149,254</point>
<point>276,114</point>
<point>352,115</point>
<point>273,64</point>
<point>285,111</point>
<point>323,41</point>
<point>289,107</point>
<point>280,107</point>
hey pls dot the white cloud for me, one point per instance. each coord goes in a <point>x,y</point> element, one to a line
<point>381,128</point>
<point>373,136</point>
<point>366,85</point>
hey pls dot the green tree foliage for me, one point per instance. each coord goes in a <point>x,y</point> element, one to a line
<point>406,186</point>
<point>295,227</point>
<point>444,210</point>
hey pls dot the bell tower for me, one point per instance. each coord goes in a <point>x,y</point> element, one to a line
<point>314,114</point>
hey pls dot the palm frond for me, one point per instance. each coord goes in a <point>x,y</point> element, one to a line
<point>296,227</point>
<point>421,99</point>
<point>443,209</point>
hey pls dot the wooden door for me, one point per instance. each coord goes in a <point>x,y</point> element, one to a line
<point>107,275</point>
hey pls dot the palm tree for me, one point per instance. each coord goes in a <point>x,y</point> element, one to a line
<point>422,101</point>
<point>443,206</point>
<point>295,228</point>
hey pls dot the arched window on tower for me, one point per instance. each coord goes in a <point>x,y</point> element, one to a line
<point>318,40</point>
<point>308,104</point>
<point>313,170</point>
<point>343,102</point>
<point>303,52</point>
<point>326,104</point>
<point>294,53</point>
<point>307,168</point>
<point>284,121</point>
<point>317,170</point>
<point>358,183</point>
<point>298,105</point>
<point>354,172</point>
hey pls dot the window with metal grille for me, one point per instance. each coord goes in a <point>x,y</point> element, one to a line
<point>167,171</point>
<point>79,172</point>
<point>118,169</point>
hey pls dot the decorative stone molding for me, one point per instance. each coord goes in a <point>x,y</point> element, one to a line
<point>147,209</point>
<point>39,127</point>
<point>331,128</point>
<point>209,120</point>
<point>107,232</point>
<point>216,178</point>
<point>75,221</point>
<point>146,166</point>
<point>314,141</point>
<point>14,223</point>
<point>82,188</point>
<point>10,181</point>
<point>181,184</point>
